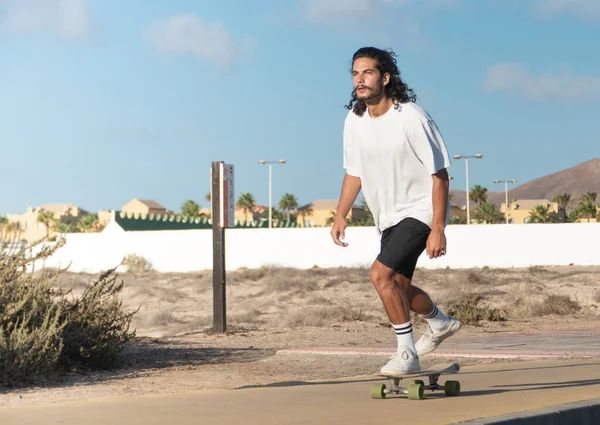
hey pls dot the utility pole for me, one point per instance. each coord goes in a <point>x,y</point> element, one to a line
<point>466,158</point>
<point>506,182</point>
<point>270,163</point>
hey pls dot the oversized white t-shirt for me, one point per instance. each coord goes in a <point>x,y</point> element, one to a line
<point>394,156</point>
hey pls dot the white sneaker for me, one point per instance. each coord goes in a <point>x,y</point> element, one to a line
<point>430,340</point>
<point>405,361</point>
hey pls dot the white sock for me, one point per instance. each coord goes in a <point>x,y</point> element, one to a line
<point>404,333</point>
<point>437,319</point>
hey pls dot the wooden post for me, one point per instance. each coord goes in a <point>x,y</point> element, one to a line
<point>219,278</point>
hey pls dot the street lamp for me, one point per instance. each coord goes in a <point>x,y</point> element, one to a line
<point>466,157</point>
<point>506,182</point>
<point>270,163</point>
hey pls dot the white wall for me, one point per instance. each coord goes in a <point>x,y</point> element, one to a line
<point>499,245</point>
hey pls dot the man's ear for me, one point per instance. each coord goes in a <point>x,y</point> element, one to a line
<point>386,78</point>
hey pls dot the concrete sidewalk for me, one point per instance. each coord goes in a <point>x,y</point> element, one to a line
<point>487,391</point>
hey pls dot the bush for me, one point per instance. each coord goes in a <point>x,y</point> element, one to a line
<point>44,333</point>
<point>136,263</point>
<point>560,305</point>
<point>469,311</point>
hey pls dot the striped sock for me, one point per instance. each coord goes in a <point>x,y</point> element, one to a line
<point>404,333</point>
<point>437,319</point>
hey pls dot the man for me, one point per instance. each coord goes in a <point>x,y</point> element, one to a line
<point>395,153</point>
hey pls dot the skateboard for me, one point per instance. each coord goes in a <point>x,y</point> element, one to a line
<point>415,389</point>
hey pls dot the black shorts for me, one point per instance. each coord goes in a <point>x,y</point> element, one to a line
<point>403,244</point>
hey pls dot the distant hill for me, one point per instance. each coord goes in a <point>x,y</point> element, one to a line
<point>575,181</point>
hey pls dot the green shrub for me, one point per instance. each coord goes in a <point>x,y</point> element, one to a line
<point>44,333</point>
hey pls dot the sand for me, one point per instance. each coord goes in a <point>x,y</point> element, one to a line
<point>271,309</point>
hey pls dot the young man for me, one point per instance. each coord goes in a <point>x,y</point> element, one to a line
<point>395,153</point>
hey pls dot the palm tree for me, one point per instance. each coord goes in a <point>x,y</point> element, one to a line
<point>304,211</point>
<point>573,216</point>
<point>67,228</point>
<point>478,194</point>
<point>455,219</point>
<point>87,223</point>
<point>540,214</point>
<point>587,209</point>
<point>589,197</point>
<point>331,217</point>
<point>369,220</point>
<point>562,200</point>
<point>190,209</point>
<point>587,206</point>
<point>247,203</point>
<point>288,203</point>
<point>47,219</point>
<point>487,213</point>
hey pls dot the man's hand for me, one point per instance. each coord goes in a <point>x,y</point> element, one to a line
<point>436,243</point>
<point>338,231</point>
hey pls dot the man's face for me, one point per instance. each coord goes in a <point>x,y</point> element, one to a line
<point>367,80</point>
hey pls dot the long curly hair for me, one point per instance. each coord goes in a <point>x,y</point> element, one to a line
<point>396,89</point>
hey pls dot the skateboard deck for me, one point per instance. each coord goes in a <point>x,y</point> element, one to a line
<point>415,390</point>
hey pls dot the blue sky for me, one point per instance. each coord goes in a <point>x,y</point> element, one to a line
<point>104,100</point>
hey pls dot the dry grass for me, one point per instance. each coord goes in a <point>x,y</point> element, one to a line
<point>325,316</point>
<point>560,305</point>
<point>163,318</point>
<point>470,310</point>
<point>278,297</point>
<point>136,263</point>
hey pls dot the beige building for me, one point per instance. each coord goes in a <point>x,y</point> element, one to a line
<point>143,206</point>
<point>518,211</point>
<point>137,207</point>
<point>31,230</point>
<point>240,215</point>
<point>319,213</point>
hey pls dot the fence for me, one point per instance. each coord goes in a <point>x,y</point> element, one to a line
<point>499,245</point>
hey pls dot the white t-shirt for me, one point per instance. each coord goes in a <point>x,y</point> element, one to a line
<point>394,156</point>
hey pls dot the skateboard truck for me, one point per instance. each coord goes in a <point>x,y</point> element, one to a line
<point>415,389</point>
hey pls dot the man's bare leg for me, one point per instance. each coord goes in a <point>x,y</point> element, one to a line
<point>392,296</point>
<point>397,308</point>
<point>418,299</point>
<point>441,325</point>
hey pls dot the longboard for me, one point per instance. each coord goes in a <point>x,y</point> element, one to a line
<point>415,390</point>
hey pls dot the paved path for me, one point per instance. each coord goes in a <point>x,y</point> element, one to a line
<point>487,390</point>
<point>567,344</point>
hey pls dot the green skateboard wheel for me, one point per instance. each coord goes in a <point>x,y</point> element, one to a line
<point>415,391</point>
<point>378,391</point>
<point>452,388</point>
<point>418,381</point>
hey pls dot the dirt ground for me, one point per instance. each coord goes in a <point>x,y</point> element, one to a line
<point>271,309</point>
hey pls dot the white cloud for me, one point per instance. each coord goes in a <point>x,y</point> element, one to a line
<point>189,34</point>
<point>356,11</point>
<point>339,10</point>
<point>517,81</point>
<point>65,18</point>
<point>588,9</point>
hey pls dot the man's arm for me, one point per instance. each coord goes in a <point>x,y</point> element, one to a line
<point>436,243</point>
<point>350,189</point>
<point>441,186</point>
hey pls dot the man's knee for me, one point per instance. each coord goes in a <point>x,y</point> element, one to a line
<point>381,276</point>
<point>405,283</point>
